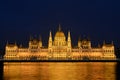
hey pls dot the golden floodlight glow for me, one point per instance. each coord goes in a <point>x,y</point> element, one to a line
<point>59,48</point>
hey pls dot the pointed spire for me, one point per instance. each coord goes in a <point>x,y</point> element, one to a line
<point>50,40</point>
<point>79,42</point>
<point>79,38</point>
<point>69,39</point>
<point>104,42</point>
<point>20,45</point>
<point>68,33</point>
<point>15,43</point>
<point>30,37</point>
<point>50,34</point>
<point>112,43</point>
<point>88,38</point>
<point>7,43</point>
<point>98,45</point>
<point>59,27</point>
<point>40,39</point>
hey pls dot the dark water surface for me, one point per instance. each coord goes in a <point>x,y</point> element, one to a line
<point>60,71</point>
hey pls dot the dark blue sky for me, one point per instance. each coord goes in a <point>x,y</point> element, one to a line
<point>98,19</point>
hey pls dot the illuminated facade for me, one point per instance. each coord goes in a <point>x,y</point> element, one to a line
<point>59,48</point>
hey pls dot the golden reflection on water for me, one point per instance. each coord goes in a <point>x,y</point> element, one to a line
<point>60,71</point>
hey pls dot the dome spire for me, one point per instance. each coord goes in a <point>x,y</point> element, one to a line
<point>59,27</point>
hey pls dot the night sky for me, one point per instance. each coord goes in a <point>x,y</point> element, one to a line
<point>97,19</point>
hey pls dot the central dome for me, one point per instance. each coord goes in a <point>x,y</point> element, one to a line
<point>59,39</point>
<point>59,33</point>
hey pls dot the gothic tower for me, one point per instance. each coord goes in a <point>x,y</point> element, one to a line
<point>69,42</point>
<point>79,43</point>
<point>40,42</point>
<point>50,42</point>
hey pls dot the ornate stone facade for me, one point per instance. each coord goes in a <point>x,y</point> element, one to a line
<point>59,49</point>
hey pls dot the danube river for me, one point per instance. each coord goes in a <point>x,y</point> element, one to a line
<point>60,71</point>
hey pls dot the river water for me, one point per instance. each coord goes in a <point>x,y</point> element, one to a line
<point>60,71</point>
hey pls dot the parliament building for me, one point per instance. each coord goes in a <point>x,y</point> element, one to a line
<point>59,48</point>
